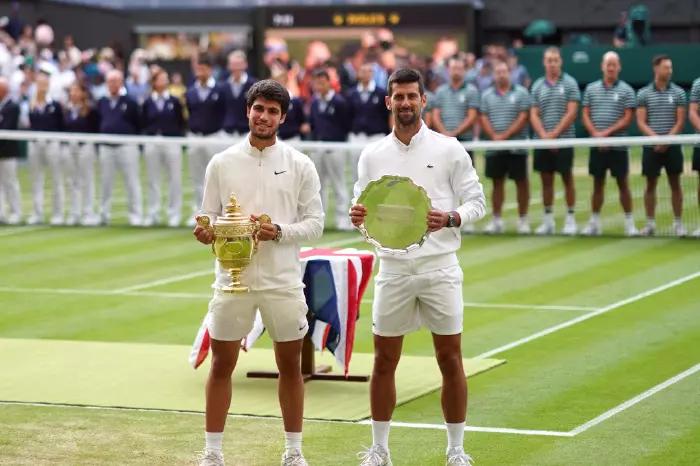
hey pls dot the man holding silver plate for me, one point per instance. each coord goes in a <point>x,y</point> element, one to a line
<point>258,264</point>
<point>415,188</point>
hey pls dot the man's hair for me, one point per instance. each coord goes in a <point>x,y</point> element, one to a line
<point>656,61</point>
<point>238,54</point>
<point>205,59</point>
<point>269,89</point>
<point>552,49</point>
<point>405,76</point>
<point>320,73</point>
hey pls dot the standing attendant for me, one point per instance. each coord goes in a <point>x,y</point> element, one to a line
<point>608,108</point>
<point>661,111</point>
<point>234,91</point>
<point>79,157</point>
<point>423,287</point>
<point>205,105</point>
<point>295,123</point>
<point>162,115</point>
<point>555,98</point>
<point>9,153</point>
<point>119,114</point>
<point>694,114</point>
<point>330,121</point>
<point>45,115</point>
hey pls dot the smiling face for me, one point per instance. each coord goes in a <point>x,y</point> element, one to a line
<point>264,118</point>
<point>406,103</point>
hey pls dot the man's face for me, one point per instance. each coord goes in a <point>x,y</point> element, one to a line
<point>664,70</point>
<point>237,65</point>
<point>42,82</point>
<point>321,85</point>
<point>202,72</point>
<point>552,63</point>
<point>264,118</point>
<point>406,103</point>
<point>365,73</point>
<point>114,83</point>
<point>456,70</point>
<point>611,68</point>
<point>501,75</point>
<point>161,83</point>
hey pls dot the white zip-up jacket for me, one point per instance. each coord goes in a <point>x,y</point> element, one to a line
<point>281,182</point>
<point>443,168</point>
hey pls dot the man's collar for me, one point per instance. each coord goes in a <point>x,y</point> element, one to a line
<point>211,82</point>
<point>122,92</point>
<point>252,150</point>
<point>414,140</point>
<point>244,78</point>
<point>165,95</point>
<point>370,87</point>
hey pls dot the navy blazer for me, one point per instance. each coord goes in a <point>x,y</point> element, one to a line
<point>169,121</point>
<point>124,118</point>
<point>371,117</point>
<point>206,116</point>
<point>9,119</point>
<point>332,124</point>
<point>235,118</point>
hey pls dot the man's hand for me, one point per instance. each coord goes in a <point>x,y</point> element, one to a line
<point>267,231</point>
<point>203,235</point>
<point>436,220</point>
<point>660,149</point>
<point>357,214</point>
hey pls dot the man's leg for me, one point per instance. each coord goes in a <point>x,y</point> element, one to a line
<point>448,351</point>
<point>674,182</point>
<point>291,384</point>
<point>626,202</point>
<point>387,352</point>
<point>597,198</point>
<point>547,227</point>
<point>650,205</point>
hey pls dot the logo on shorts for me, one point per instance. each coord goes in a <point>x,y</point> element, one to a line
<point>279,173</point>
<point>302,327</point>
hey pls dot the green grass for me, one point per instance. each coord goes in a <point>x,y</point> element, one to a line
<point>55,284</point>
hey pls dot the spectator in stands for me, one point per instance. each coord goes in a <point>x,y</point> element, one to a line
<point>295,123</point>
<point>555,98</point>
<point>206,107</point>
<point>79,157</point>
<point>661,111</point>
<point>370,117</point>
<point>9,153</point>
<point>504,114</point>
<point>177,87</point>
<point>234,91</point>
<point>518,72</point>
<point>330,120</point>
<point>162,115</point>
<point>137,84</point>
<point>45,115</point>
<point>694,113</point>
<point>72,52</point>
<point>608,108</point>
<point>119,114</point>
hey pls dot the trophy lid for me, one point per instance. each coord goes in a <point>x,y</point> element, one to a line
<point>234,214</point>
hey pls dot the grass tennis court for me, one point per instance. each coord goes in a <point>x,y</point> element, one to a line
<point>599,334</point>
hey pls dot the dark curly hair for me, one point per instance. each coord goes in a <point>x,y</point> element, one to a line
<point>269,89</point>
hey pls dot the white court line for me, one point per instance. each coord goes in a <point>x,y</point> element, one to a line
<point>200,273</point>
<point>21,230</point>
<point>89,292</point>
<point>535,307</point>
<point>633,401</point>
<point>590,315</point>
<point>492,430</point>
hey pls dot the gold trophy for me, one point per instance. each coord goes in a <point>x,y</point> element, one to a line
<point>235,242</point>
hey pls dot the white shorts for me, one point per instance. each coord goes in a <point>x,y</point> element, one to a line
<point>402,303</point>
<point>283,313</point>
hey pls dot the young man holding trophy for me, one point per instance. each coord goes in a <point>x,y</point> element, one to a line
<point>421,284</point>
<point>266,175</point>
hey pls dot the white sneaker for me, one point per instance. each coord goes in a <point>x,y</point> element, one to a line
<point>524,227</point>
<point>90,220</point>
<point>210,458</point>
<point>631,230</point>
<point>34,220</point>
<point>547,228</point>
<point>56,220</point>
<point>648,230</point>
<point>135,221</point>
<point>570,227</point>
<point>679,230</point>
<point>468,228</point>
<point>14,219</point>
<point>457,457</point>
<point>696,233</point>
<point>494,227</point>
<point>592,228</point>
<point>375,456</point>
<point>293,457</point>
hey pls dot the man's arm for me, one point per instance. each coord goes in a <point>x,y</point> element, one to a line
<point>467,123</point>
<point>620,124</point>
<point>515,127</point>
<point>487,128</point>
<point>588,123</point>
<point>309,210</point>
<point>211,203</point>
<point>567,120</point>
<point>693,115</point>
<point>467,188</point>
<point>680,120</point>
<point>536,122</point>
<point>642,122</point>
<point>437,121</point>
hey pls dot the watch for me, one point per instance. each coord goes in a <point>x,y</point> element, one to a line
<point>451,220</point>
<point>278,236</point>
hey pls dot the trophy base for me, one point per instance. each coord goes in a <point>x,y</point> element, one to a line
<point>235,289</point>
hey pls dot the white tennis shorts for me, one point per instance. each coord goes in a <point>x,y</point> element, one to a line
<point>283,313</point>
<point>405,302</point>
